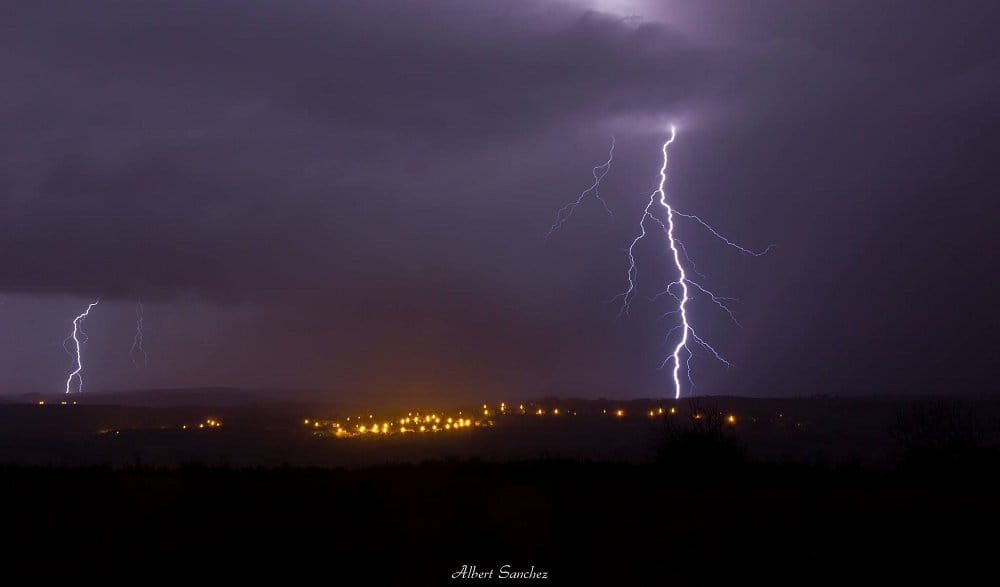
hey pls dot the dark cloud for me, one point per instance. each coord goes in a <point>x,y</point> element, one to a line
<point>376,179</point>
<point>200,146</point>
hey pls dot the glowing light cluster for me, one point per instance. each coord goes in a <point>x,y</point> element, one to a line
<point>434,422</point>
<point>430,423</point>
<point>209,423</point>
<point>412,422</point>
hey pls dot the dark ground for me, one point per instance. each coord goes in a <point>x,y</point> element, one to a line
<point>415,525</point>
<point>700,510</point>
<point>814,430</point>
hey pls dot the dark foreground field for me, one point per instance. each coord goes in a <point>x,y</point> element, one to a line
<point>581,523</point>
<point>908,497</point>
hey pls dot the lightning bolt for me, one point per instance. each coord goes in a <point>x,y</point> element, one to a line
<point>660,195</point>
<point>681,288</point>
<point>564,213</point>
<point>74,336</point>
<point>137,339</point>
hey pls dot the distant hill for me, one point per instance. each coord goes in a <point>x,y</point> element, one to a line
<point>196,396</point>
<point>237,397</point>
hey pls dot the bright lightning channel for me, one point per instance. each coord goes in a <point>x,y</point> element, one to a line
<point>685,327</point>
<point>599,172</point>
<point>137,348</point>
<point>75,337</point>
<point>679,289</point>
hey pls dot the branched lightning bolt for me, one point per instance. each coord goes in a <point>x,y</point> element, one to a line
<point>599,172</point>
<point>647,214</point>
<point>719,301</point>
<point>660,195</point>
<point>137,339</point>
<point>694,267</point>
<point>74,336</point>
<point>719,235</point>
<point>680,288</point>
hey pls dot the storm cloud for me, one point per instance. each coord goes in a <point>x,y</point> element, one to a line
<point>375,179</point>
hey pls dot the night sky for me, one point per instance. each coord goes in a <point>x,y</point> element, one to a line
<point>353,196</point>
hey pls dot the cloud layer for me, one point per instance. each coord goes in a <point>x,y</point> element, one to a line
<point>386,171</point>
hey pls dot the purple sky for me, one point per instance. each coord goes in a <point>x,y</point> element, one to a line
<point>354,196</point>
